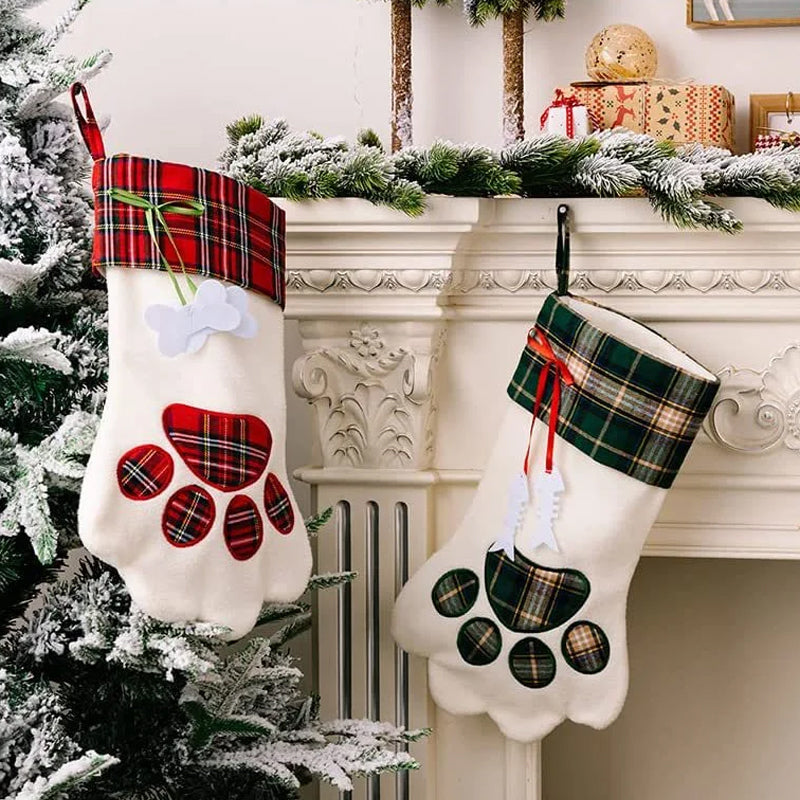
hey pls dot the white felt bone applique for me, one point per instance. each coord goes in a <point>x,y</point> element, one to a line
<point>215,309</point>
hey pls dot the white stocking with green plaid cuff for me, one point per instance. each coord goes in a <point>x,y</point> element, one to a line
<point>531,630</point>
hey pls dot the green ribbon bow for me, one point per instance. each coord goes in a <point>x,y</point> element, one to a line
<point>155,213</point>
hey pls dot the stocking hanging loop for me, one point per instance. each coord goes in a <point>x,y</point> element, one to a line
<point>562,250</point>
<point>87,124</point>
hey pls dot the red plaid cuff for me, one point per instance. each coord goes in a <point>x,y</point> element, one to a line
<point>239,238</point>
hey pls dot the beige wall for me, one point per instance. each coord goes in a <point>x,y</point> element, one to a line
<point>714,704</point>
<point>715,698</point>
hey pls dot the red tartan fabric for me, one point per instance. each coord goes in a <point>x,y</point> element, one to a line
<point>188,516</point>
<point>228,451</point>
<point>277,504</point>
<point>244,530</point>
<point>239,238</point>
<point>144,472</point>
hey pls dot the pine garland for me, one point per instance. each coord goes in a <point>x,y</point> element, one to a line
<point>678,181</point>
<point>303,165</point>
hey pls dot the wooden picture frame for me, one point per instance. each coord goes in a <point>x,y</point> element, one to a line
<point>724,9</point>
<point>764,108</point>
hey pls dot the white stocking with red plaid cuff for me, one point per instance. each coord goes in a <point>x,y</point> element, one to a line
<point>522,613</point>
<point>186,491</point>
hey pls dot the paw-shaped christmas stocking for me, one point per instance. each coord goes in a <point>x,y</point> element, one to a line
<point>522,613</point>
<point>186,491</point>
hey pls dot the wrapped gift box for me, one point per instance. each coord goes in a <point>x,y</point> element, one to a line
<point>683,113</point>
<point>566,117</point>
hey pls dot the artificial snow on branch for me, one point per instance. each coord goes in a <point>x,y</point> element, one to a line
<point>190,716</point>
<point>55,461</point>
<point>297,165</point>
<point>678,181</point>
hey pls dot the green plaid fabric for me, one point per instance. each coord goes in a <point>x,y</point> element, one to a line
<point>455,592</point>
<point>528,598</point>
<point>585,647</point>
<point>626,409</point>
<point>479,641</point>
<point>532,663</point>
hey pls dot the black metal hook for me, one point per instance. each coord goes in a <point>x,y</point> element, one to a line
<point>562,250</point>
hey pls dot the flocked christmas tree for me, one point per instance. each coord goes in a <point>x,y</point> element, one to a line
<point>514,14</point>
<point>52,315</point>
<point>97,699</point>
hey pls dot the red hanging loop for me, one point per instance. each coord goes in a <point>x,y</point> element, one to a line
<point>89,128</point>
<point>539,343</point>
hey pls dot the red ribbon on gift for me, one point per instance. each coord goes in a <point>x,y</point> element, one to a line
<point>562,101</point>
<point>569,102</point>
<point>539,343</point>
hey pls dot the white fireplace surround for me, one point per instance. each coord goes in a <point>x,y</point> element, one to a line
<point>411,330</point>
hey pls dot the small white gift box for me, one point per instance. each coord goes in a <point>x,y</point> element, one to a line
<point>566,116</point>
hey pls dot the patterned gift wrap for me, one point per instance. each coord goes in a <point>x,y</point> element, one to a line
<point>681,113</point>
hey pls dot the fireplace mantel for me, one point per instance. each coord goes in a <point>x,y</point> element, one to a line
<point>411,329</point>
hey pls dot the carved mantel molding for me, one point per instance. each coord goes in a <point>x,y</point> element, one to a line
<point>755,412</point>
<point>372,396</point>
<point>676,282</point>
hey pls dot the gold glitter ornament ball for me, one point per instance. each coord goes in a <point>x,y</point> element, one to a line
<point>621,53</point>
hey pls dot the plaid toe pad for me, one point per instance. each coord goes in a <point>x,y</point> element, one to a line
<point>455,592</point>
<point>188,516</point>
<point>532,663</point>
<point>528,598</point>
<point>244,530</point>
<point>278,505</point>
<point>144,472</point>
<point>227,451</point>
<point>479,641</point>
<point>586,647</point>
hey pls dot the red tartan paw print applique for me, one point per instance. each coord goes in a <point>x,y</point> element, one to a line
<point>226,453</point>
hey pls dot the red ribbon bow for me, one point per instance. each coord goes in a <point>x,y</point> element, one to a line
<point>539,343</point>
<point>562,101</point>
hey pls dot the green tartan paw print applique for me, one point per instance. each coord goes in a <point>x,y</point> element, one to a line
<point>526,598</point>
<point>226,453</point>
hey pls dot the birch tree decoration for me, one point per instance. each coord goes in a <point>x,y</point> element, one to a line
<point>402,96</point>
<point>514,13</point>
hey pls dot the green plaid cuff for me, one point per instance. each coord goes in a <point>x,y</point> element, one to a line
<point>627,409</point>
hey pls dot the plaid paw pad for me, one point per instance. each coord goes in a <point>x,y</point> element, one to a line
<point>585,647</point>
<point>532,663</point>
<point>188,516</point>
<point>455,592</point>
<point>528,598</point>
<point>243,528</point>
<point>144,472</point>
<point>479,641</point>
<point>278,505</point>
<point>525,597</point>
<point>227,451</point>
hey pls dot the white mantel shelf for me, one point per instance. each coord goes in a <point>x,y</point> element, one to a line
<point>411,330</point>
<point>489,256</point>
<point>732,300</point>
